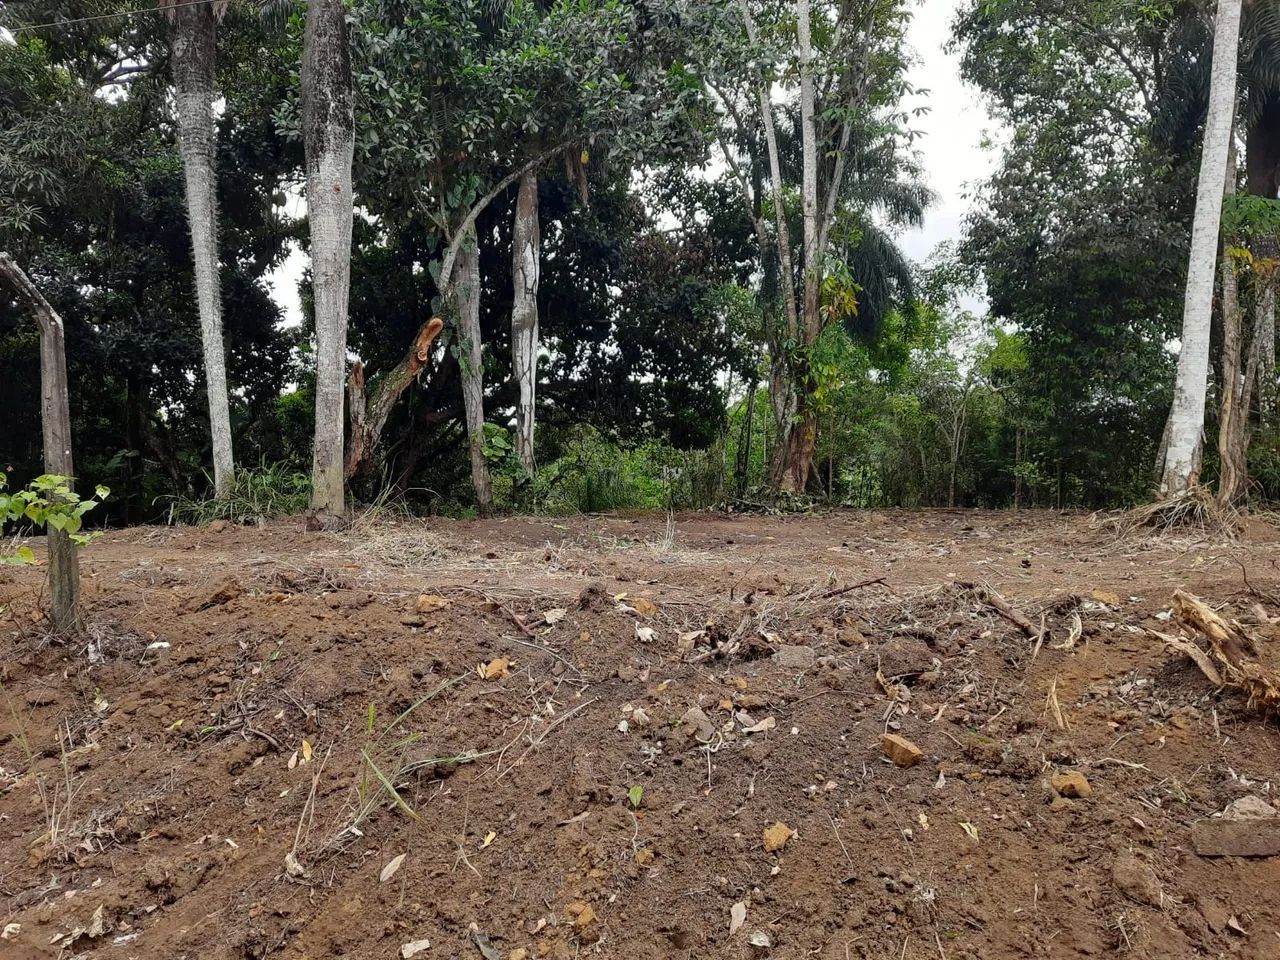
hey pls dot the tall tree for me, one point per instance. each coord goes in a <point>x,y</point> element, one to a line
<point>194,54</point>
<point>328,127</point>
<point>1186,420</point>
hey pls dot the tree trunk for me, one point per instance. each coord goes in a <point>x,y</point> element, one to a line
<point>193,79</point>
<point>1266,334</point>
<point>369,417</point>
<point>467,291</point>
<point>1190,387</point>
<point>55,419</point>
<point>526,257</point>
<point>1232,420</point>
<point>328,126</point>
<point>792,475</point>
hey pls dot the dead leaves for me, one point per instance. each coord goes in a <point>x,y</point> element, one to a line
<point>392,868</point>
<point>737,917</point>
<point>495,669</point>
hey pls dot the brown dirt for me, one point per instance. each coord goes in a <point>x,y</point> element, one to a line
<point>161,748</point>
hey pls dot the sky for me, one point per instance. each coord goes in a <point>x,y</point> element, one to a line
<point>952,132</point>
<point>953,129</point>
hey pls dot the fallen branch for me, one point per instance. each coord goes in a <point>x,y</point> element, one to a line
<point>841,591</point>
<point>1000,605</point>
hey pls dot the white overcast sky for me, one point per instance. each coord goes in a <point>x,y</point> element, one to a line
<point>953,129</point>
<point>950,147</point>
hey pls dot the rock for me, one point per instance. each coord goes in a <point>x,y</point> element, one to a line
<point>217,526</point>
<point>1072,784</point>
<point>1216,916</point>
<point>1249,827</point>
<point>776,837</point>
<point>900,750</point>
<point>698,725</point>
<point>760,940</point>
<point>1137,881</point>
<point>413,948</point>
<point>792,657</point>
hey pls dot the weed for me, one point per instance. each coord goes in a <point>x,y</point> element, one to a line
<point>271,490</point>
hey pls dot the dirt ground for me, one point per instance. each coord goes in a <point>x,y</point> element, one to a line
<point>534,738</point>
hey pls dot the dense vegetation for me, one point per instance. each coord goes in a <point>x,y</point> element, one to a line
<point>663,236</point>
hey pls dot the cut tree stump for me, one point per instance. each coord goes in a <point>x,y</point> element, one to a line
<point>55,418</point>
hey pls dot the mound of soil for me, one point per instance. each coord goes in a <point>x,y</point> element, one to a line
<point>894,735</point>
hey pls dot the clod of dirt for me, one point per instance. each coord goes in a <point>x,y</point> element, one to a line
<point>428,603</point>
<point>900,750</point>
<point>698,725</point>
<point>1072,784</point>
<point>776,837</point>
<point>583,915</point>
<point>223,592</point>
<point>1249,827</point>
<point>904,657</point>
<point>1137,881</point>
<point>793,657</point>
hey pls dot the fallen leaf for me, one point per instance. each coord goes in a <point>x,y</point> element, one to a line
<point>10,931</point>
<point>552,617</point>
<point>98,923</point>
<point>646,634</point>
<point>389,871</point>
<point>737,917</point>
<point>489,837</point>
<point>293,760</point>
<point>306,751</point>
<point>487,949</point>
<point>578,819</point>
<point>495,669</point>
<point>971,830</point>
<point>413,948</point>
<point>776,837</point>
<point>764,726</point>
<point>292,867</point>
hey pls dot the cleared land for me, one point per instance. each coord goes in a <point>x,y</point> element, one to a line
<point>581,735</point>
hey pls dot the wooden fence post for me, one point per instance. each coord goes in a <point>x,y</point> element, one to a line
<point>55,418</point>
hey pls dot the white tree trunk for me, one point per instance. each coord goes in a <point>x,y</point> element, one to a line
<point>328,125</point>
<point>526,257</point>
<point>1186,423</point>
<point>471,360</point>
<point>809,175</point>
<point>194,46</point>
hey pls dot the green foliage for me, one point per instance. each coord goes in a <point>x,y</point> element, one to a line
<point>48,502</point>
<point>270,491</point>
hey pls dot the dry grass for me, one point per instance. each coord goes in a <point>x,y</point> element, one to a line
<point>1195,511</point>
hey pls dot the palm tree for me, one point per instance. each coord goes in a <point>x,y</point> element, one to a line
<point>328,126</point>
<point>194,52</point>
<point>1186,420</point>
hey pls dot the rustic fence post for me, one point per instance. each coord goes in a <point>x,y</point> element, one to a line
<point>55,418</point>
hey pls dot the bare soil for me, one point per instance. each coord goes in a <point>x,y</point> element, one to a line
<point>259,722</point>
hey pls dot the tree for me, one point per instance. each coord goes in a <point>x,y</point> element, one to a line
<point>328,125</point>
<point>194,51</point>
<point>1186,420</point>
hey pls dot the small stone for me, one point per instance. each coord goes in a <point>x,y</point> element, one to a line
<point>217,526</point>
<point>776,837</point>
<point>1072,784</point>
<point>900,750</point>
<point>1137,881</point>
